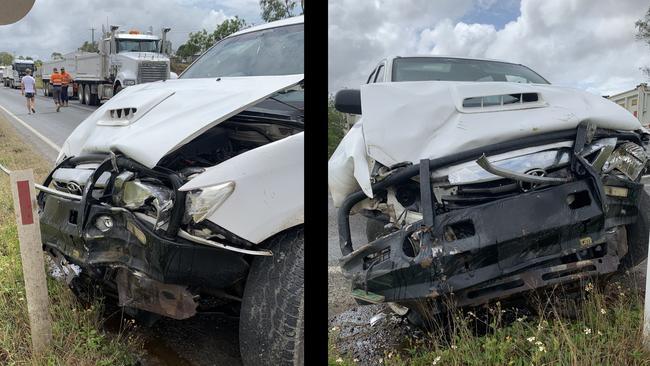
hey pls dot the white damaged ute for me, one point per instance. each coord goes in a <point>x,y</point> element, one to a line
<point>185,196</point>
<point>481,181</point>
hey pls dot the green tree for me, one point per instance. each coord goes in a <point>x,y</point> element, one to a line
<point>202,40</point>
<point>89,47</point>
<point>38,64</point>
<point>279,9</point>
<point>336,127</point>
<point>56,56</point>
<point>6,58</point>
<point>226,28</point>
<point>643,34</point>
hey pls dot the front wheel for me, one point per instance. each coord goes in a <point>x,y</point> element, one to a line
<point>638,235</point>
<point>271,325</point>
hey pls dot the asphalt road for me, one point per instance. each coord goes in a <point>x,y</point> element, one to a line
<point>205,339</point>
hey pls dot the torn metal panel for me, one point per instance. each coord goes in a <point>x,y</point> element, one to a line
<point>137,291</point>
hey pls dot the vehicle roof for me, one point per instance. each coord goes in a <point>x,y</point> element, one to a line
<point>137,36</point>
<point>449,56</point>
<point>24,61</point>
<point>278,23</point>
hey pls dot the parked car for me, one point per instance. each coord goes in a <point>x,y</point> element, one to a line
<point>482,181</point>
<point>180,195</point>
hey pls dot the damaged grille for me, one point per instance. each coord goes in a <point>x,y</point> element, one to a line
<point>149,71</point>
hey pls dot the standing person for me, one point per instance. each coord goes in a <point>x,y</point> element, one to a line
<point>66,79</point>
<point>55,79</point>
<point>28,89</point>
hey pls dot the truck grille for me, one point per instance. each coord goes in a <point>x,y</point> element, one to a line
<point>152,71</point>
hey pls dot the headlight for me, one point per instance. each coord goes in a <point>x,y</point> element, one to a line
<point>629,158</point>
<point>128,82</point>
<point>201,203</point>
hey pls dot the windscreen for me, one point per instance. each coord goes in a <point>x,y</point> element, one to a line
<point>274,51</point>
<point>137,45</point>
<point>21,67</point>
<point>455,69</point>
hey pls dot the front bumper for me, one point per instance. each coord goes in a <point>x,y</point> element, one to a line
<point>150,272</point>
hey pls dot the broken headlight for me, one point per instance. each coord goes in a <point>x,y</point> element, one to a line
<point>201,203</point>
<point>628,158</point>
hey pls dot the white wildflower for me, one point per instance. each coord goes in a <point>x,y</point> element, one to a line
<point>436,360</point>
<point>542,349</point>
<point>530,339</point>
<point>339,360</point>
<point>603,311</point>
<point>600,333</point>
<point>539,343</point>
<point>587,330</point>
<point>453,346</point>
<point>589,287</point>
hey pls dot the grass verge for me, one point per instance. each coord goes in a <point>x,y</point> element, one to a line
<point>78,338</point>
<point>603,326</point>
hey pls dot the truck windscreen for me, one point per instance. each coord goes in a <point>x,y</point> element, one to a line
<point>137,45</point>
<point>22,67</point>
<point>274,51</point>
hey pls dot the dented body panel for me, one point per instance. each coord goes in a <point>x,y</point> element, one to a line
<point>269,189</point>
<point>162,107</point>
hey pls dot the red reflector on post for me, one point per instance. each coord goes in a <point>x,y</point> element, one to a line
<point>25,200</point>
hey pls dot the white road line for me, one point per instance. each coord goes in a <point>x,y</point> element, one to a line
<point>32,130</point>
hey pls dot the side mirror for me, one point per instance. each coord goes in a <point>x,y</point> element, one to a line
<point>173,75</point>
<point>348,101</point>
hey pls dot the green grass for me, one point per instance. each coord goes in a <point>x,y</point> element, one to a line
<point>605,328</point>
<point>78,338</point>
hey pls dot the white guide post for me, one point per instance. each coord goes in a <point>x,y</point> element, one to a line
<point>31,253</point>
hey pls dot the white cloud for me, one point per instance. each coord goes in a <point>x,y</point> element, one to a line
<point>54,25</point>
<point>581,43</point>
<point>362,32</point>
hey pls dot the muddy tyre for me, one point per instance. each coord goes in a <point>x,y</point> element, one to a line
<point>637,235</point>
<point>271,324</point>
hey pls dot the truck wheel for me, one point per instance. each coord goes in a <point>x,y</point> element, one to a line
<point>118,88</point>
<point>87,94</point>
<point>271,324</point>
<point>637,235</point>
<point>94,99</point>
<point>80,91</point>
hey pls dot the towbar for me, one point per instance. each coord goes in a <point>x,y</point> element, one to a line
<point>47,190</point>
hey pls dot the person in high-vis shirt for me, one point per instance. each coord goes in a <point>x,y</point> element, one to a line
<point>55,79</point>
<point>66,79</point>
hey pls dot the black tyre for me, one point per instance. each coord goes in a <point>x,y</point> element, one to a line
<point>82,95</point>
<point>637,235</point>
<point>271,324</point>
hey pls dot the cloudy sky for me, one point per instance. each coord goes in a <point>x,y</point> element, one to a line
<point>581,43</point>
<point>63,25</point>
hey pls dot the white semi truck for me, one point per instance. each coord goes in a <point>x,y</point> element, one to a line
<point>13,73</point>
<point>124,59</point>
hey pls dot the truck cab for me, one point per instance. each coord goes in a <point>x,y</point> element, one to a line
<point>134,58</point>
<point>18,71</point>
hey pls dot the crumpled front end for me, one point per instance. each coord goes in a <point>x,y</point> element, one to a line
<point>496,221</point>
<point>178,238</point>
